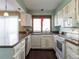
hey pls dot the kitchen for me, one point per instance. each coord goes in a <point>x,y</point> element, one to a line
<point>39,29</point>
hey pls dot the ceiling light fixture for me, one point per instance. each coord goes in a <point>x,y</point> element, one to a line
<point>42,9</point>
<point>6,13</point>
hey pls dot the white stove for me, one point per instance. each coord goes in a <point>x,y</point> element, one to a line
<point>60,47</point>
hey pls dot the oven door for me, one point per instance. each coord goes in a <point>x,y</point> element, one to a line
<point>59,46</point>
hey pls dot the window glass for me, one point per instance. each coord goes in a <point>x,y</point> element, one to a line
<point>46,25</point>
<point>37,25</point>
<point>41,25</point>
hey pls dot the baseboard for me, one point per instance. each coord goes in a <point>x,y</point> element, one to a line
<point>40,49</point>
<point>33,49</point>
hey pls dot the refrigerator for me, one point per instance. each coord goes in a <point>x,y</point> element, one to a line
<point>9,30</point>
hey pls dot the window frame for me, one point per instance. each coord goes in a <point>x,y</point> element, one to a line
<point>42,17</point>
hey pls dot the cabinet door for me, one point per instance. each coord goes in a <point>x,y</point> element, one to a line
<point>65,11</point>
<point>22,55</point>
<point>77,10</point>
<point>28,20</point>
<point>46,41</point>
<point>43,42</point>
<point>56,21</point>
<point>35,42</point>
<point>50,42</point>
<point>71,6</point>
<point>28,47</point>
<point>18,56</point>
<point>60,18</point>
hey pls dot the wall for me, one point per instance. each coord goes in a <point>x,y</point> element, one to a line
<point>22,4</point>
<point>11,13</point>
<point>61,5</point>
<point>40,12</point>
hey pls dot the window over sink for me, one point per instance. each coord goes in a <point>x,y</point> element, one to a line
<point>41,24</point>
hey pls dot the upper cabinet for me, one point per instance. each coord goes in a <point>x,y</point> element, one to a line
<point>69,15</point>
<point>77,10</point>
<point>26,19</point>
<point>58,18</point>
<point>56,21</point>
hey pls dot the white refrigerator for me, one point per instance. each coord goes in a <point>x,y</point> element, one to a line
<point>9,30</point>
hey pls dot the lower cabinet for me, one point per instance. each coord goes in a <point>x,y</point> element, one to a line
<point>72,51</point>
<point>35,42</point>
<point>28,44</point>
<point>19,51</point>
<point>42,41</point>
<point>20,54</point>
<point>15,52</point>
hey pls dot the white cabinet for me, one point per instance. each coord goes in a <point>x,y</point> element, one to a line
<point>58,18</point>
<point>36,43</point>
<point>47,41</point>
<point>16,52</point>
<point>28,44</point>
<point>19,50</point>
<point>72,51</point>
<point>70,15</point>
<point>26,19</point>
<point>77,10</point>
<point>42,41</point>
<point>55,41</point>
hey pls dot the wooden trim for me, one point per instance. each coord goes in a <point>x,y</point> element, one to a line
<point>42,49</point>
<point>50,24</point>
<point>41,25</point>
<point>32,23</point>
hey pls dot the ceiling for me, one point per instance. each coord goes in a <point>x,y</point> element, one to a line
<point>34,6</point>
<point>37,5</point>
<point>11,5</point>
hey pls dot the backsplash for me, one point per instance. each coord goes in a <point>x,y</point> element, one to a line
<point>25,28</point>
<point>71,32</point>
